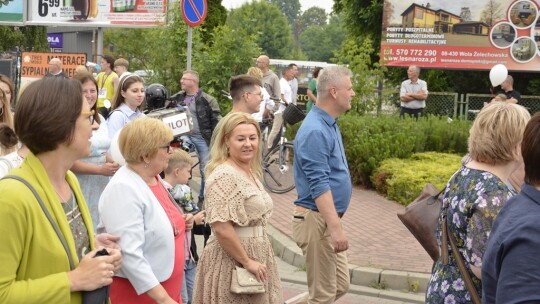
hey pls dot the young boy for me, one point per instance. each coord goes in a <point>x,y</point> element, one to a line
<point>176,177</point>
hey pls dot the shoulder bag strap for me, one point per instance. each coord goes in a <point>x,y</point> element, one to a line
<point>7,162</point>
<point>49,217</point>
<point>475,298</point>
<point>444,241</point>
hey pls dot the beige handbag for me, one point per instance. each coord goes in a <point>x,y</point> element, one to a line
<point>244,282</point>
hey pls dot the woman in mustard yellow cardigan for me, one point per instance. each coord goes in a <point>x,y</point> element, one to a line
<point>54,121</point>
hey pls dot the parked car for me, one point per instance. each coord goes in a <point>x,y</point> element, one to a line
<point>498,35</point>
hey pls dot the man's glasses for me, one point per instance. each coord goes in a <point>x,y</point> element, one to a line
<point>260,94</point>
<point>91,116</point>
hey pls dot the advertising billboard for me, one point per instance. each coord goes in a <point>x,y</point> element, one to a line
<point>98,13</point>
<point>36,65</point>
<point>462,34</point>
<point>12,12</point>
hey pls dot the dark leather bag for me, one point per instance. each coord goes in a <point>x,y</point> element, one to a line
<point>421,217</point>
<point>100,295</point>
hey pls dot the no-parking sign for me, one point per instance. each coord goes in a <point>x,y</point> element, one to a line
<point>194,11</point>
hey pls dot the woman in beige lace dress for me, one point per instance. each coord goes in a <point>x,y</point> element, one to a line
<point>237,208</point>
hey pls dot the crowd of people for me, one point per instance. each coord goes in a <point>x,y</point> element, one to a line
<point>106,221</point>
<point>75,221</point>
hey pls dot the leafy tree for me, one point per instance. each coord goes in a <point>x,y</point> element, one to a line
<point>363,19</point>
<point>267,23</point>
<point>298,54</point>
<point>169,57</point>
<point>313,16</point>
<point>366,74</point>
<point>290,8</point>
<point>231,53</point>
<point>10,38</point>
<point>27,38</point>
<point>320,42</point>
<point>34,38</point>
<point>216,16</point>
<point>312,41</point>
<point>163,50</point>
<point>135,45</point>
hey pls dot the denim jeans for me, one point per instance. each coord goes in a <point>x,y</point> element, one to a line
<point>190,268</point>
<point>203,153</point>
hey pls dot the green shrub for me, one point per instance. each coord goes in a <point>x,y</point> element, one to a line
<point>402,180</point>
<point>369,140</point>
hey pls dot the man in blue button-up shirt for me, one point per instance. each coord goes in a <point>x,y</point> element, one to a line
<point>324,188</point>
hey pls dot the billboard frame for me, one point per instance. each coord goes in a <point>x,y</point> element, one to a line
<point>24,16</point>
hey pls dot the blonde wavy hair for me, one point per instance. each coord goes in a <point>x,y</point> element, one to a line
<point>218,151</point>
<point>5,110</point>
<point>497,132</point>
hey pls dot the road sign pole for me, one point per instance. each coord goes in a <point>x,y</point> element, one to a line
<point>189,37</point>
<point>193,12</point>
<point>99,45</point>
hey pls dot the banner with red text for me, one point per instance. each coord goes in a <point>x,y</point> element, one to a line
<point>36,65</point>
<point>462,34</point>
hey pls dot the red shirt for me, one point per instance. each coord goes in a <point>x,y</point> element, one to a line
<point>121,289</point>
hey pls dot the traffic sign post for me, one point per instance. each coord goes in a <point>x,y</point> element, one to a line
<point>193,12</point>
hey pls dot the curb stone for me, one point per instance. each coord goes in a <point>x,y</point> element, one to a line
<point>395,282</point>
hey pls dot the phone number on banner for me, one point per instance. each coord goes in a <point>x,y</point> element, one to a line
<point>410,52</point>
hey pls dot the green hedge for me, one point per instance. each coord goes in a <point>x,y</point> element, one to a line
<point>369,140</point>
<point>402,180</point>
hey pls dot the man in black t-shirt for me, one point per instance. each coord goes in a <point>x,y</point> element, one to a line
<point>508,88</point>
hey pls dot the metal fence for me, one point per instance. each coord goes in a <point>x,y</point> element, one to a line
<point>467,106</point>
<point>442,104</point>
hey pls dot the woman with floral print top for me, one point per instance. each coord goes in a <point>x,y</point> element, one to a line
<point>475,195</point>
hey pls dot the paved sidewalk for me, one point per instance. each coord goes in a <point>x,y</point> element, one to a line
<point>382,252</point>
<point>377,238</point>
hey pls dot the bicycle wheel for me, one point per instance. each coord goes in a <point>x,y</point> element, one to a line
<point>278,169</point>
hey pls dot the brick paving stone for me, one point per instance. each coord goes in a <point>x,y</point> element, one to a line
<point>377,238</point>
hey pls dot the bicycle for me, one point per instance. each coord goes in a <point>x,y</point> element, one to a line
<point>278,165</point>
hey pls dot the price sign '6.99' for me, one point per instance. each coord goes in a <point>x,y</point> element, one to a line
<point>98,13</point>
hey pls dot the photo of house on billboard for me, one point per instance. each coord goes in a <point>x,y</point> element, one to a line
<point>461,34</point>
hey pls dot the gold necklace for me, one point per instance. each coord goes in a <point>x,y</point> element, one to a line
<point>62,200</point>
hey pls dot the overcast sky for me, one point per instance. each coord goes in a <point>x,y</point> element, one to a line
<point>326,4</point>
